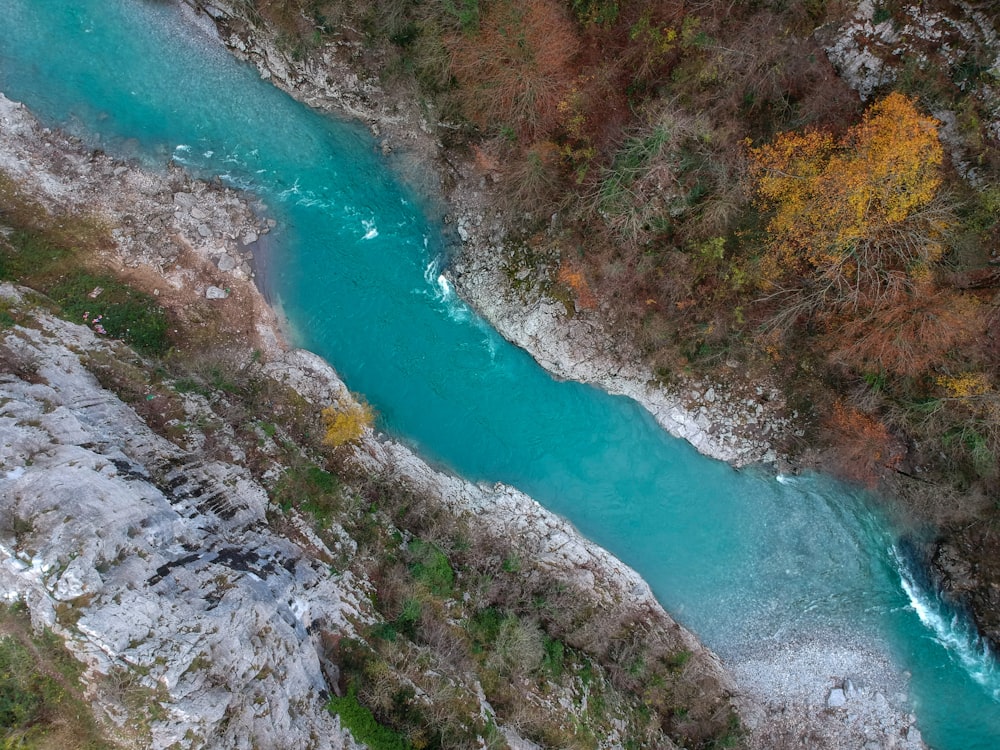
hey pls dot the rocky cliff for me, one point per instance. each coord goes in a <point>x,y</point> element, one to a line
<point>156,565</point>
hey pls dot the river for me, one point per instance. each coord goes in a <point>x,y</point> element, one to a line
<point>751,563</point>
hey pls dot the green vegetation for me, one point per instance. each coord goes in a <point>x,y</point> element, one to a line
<point>672,140</point>
<point>105,304</point>
<point>22,692</point>
<point>55,254</point>
<point>362,725</point>
<point>117,311</point>
<point>41,699</point>
<point>451,603</point>
<point>310,489</point>
<point>456,610</point>
<point>431,568</point>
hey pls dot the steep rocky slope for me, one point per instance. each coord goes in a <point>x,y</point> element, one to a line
<point>156,564</point>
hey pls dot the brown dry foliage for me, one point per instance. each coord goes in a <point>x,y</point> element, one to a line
<point>863,447</point>
<point>518,67</point>
<point>908,338</point>
<point>533,177</point>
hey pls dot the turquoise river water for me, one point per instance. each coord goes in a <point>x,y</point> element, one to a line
<point>746,560</point>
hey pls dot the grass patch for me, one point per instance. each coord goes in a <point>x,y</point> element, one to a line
<point>553,663</point>
<point>33,259</point>
<point>361,722</point>
<point>41,703</point>
<point>23,213</point>
<point>122,312</point>
<point>312,490</point>
<point>29,256</point>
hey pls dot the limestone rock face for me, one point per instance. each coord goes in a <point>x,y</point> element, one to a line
<point>581,347</point>
<point>156,563</point>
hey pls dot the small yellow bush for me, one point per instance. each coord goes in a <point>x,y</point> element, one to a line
<point>346,423</point>
<point>965,386</point>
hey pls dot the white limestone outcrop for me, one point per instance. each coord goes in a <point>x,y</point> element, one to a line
<point>155,562</point>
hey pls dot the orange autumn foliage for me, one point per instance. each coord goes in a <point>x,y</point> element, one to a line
<point>864,447</point>
<point>856,214</point>
<point>575,280</point>
<point>517,68</point>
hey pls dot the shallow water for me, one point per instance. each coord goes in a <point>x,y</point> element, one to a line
<point>745,560</point>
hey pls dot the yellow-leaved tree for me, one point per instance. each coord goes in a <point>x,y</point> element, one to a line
<point>346,423</point>
<point>856,220</point>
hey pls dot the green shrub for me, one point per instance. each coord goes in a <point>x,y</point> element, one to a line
<point>675,662</point>
<point>406,622</point>
<point>553,662</point>
<point>596,12</point>
<point>466,12</point>
<point>731,737</point>
<point>430,567</point>
<point>484,627</point>
<point>362,724</point>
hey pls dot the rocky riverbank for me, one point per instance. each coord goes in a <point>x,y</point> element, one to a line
<point>733,421</point>
<point>736,422</point>
<point>585,567</point>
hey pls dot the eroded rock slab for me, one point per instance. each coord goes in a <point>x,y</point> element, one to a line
<point>157,563</point>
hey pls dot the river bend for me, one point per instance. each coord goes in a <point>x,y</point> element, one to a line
<point>752,563</point>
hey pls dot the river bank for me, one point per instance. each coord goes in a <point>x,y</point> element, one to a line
<point>398,124</point>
